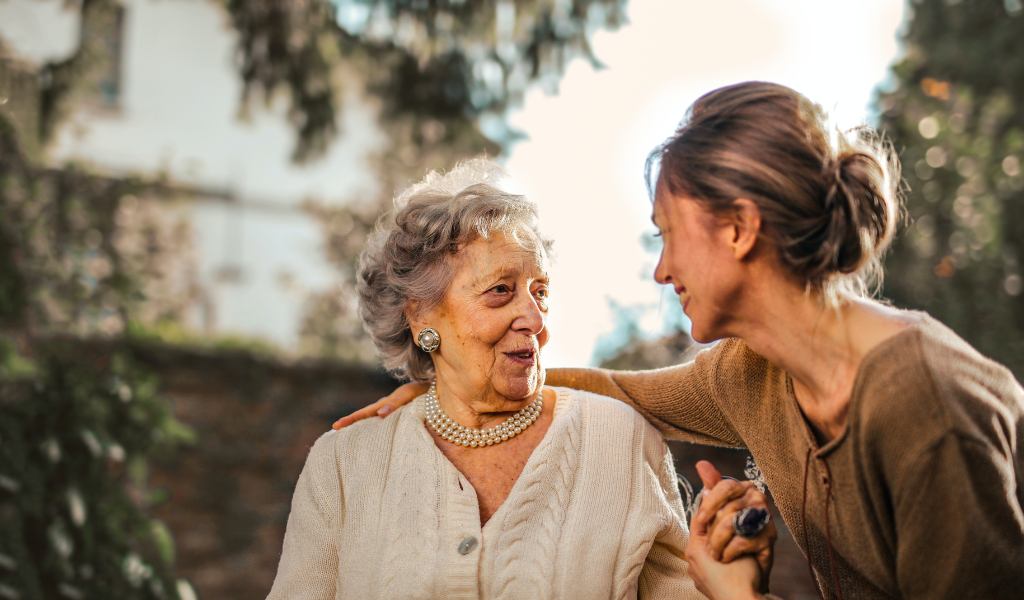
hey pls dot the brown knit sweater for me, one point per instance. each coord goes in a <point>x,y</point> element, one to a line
<point>925,498</point>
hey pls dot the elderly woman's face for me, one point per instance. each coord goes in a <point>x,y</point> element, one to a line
<point>492,323</point>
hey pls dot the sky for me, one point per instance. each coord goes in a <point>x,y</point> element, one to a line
<point>584,158</point>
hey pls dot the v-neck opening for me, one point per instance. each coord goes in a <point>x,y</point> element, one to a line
<point>562,397</point>
<point>821,450</point>
<point>561,404</point>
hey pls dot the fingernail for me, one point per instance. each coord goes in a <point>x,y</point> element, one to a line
<point>701,515</point>
<point>384,411</point>
<point>337,425</point>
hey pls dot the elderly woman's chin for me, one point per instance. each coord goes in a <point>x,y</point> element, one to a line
<point>518,382</point>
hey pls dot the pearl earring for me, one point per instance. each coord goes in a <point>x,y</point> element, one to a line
<point>428,340</point>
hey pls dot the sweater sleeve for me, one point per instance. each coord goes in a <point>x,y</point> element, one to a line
<point>309,560</point>
<point>959,526</point>
<point>664,574</point>
<point>679,401</point>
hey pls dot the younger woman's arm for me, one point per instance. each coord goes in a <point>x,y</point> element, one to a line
<point>678,400</point>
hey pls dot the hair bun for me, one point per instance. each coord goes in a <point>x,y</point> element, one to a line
<point>859,216</point>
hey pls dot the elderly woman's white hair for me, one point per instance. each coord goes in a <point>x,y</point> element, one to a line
<point>407,257</point>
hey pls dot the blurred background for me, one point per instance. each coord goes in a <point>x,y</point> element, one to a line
<point>186,184</point>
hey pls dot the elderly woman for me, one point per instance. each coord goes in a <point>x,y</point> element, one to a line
<point>489,485</point>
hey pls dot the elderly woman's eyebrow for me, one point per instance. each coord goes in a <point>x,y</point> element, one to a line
<point>507,272</point>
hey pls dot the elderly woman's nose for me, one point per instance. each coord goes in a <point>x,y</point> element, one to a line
<point>530,316</point>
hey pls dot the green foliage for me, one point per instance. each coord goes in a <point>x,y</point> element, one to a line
<point>78,257</point>
<point>447,61</point>
<point>956,122</point>
<point>175,333</point>
<point>74,432</point>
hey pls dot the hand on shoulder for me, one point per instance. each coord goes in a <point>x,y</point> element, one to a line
<point>402,395</point>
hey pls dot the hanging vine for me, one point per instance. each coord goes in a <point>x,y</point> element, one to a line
<point>80,258</point>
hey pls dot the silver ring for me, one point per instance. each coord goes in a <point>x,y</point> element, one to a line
<point>750,522</point>
<point>428,340</point>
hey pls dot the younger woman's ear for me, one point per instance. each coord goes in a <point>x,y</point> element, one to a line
<point>746,227</point>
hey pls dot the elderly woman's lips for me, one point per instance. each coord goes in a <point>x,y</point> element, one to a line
<point>524,357</point>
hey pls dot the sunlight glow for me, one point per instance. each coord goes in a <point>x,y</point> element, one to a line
<point>584,156</point>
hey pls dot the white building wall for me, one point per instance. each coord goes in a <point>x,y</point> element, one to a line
<point>179,114</point>
<point>39,31</point>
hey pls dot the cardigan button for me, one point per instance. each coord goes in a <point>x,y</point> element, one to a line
<point>467,545</point>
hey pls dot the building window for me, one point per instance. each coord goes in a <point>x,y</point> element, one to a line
<point>104,34</point>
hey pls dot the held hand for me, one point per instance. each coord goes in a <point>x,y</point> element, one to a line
<point>723,498</point>
<point>737,580</point>
<point>385,406</point>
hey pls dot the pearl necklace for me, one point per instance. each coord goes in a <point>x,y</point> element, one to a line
<point>465,436</point>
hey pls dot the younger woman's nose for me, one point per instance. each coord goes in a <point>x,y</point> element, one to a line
<point>661,274</point>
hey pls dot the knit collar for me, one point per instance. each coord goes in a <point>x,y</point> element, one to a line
<point>874,357</point>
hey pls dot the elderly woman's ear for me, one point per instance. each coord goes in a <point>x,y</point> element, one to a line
<point>415,319</point>
<point>413,316</point>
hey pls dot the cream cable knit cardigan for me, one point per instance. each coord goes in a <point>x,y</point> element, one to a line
<point>379,512</point>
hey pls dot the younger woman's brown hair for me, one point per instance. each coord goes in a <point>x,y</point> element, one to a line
<point>829,200</point>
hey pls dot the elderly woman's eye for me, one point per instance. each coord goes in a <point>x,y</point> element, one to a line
<point>542,292</point>
<point>501,289</point>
